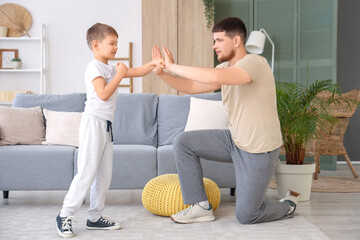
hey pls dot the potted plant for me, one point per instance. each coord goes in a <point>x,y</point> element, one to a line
<point>209,12</point>
<point>16,63</point>
<point>302,114</point>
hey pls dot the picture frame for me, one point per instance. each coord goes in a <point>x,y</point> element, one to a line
<point>6,55</point>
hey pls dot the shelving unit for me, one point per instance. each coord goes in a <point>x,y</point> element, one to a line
<point>32,65</point>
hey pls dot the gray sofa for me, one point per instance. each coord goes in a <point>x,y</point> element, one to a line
<point>144,128</point>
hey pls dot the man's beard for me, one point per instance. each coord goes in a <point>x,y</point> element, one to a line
<point>228,57</point>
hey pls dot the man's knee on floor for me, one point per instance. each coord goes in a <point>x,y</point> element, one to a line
<point>245,217</point>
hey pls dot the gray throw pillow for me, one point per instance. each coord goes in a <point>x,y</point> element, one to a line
<point>21,126</point>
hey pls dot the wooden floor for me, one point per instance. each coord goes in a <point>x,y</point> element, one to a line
<point>335,214</point>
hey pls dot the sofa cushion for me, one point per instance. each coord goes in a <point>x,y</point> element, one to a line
<point>62,128</point>
<point>173,113</point>
<point>73,102</point>
<point>135,119</point>
<point>21,126</point>
<point>220,172</point>
<point>134,166</point>
<point>36,167</point>
<point>206,114</point>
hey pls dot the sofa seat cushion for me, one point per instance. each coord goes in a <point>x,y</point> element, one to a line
<point>221,173</point>
<point>134,166</point>
<point>36,167</point>
<point>173,113</point>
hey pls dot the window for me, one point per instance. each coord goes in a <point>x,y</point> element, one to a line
<point>303,31</point>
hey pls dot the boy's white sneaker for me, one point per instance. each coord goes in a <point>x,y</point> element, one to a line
<point>292,198</point>
<point>194,213</point>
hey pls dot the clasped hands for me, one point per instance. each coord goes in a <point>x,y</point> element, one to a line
<point>157,56</point>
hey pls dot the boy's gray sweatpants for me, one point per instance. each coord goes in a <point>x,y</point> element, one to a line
<point>95,162</point>
<point>253,173</point>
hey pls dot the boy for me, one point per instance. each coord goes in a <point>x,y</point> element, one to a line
<point>95,157</point>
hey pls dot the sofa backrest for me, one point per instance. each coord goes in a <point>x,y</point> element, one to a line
<point>173,111</point>
<point>73,102</point>
<point>135,119</point>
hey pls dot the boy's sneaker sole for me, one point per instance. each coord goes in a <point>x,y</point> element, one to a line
<point>193,220</point>
<point>65,235</point>
<point>116,227</point>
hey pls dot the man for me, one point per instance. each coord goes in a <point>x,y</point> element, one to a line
<point>253,140</point>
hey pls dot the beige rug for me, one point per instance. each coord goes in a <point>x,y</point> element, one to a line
<point>24,222</point>
<point>331,185</point>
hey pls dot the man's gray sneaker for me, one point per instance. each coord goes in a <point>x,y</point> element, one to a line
<point>194,213</point>
<point>64,226</point>
<point>102,224</point>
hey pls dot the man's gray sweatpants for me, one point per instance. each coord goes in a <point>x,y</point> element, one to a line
<point>253,173</point>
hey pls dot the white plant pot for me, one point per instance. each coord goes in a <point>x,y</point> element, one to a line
<point>295,177</point>
<point>16,65</point>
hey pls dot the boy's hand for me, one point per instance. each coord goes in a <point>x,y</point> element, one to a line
<point>121,68</point>
<point>169,59</point>
<point>156,56</point>
<point>158,63</point>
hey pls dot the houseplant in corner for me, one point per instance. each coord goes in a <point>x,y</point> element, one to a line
<point>302,114</point>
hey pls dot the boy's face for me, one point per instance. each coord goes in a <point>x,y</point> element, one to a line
<point>107,48</point>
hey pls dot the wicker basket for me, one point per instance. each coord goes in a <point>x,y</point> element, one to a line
<point>8,96</point>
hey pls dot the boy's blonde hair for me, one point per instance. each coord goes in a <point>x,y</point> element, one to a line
<point>98,32</point>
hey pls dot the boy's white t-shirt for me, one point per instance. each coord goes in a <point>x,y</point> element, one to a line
<point>94,105</point>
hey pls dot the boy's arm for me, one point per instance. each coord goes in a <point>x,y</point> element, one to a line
<point>224,76</point>
<point>144,69</point>
<point>105,91</point>
<point>182,84</point>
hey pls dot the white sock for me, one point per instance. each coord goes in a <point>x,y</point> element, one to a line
<point>204,204</point>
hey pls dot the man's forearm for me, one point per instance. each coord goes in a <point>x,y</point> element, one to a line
<point>181,84</point>
<point>203,75</point>
<point>186,85</point>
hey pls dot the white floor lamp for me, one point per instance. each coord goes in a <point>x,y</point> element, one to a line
<point>255,44</point>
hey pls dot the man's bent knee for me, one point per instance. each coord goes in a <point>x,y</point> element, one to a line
<point>180,139</point>
<point>245,217</point>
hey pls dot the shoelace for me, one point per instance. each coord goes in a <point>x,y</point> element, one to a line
<point>106,220</point>
<point>184,212</point>
<point>67,223</point>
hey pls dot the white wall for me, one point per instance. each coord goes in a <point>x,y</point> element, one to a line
<point>68,54</point>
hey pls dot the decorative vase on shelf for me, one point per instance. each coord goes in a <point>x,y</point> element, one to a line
<point>16,63</point>
<point>3,31</point>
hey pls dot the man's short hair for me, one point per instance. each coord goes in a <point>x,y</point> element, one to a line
<point>98,32</point>
<point>232,26</point>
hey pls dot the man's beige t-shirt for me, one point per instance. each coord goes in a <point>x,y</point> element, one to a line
<point>254,122</point>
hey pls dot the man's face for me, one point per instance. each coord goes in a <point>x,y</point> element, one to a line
<point>223,46</point>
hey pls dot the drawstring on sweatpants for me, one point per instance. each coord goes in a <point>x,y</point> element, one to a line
<point>109,129</point>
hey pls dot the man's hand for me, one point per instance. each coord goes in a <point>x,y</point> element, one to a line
<point>156,55</point>
<point>158,63</point>
<point>169,59</point>
<point>121,69</point>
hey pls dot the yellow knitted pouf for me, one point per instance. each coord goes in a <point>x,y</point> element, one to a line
<point>162,195</point>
